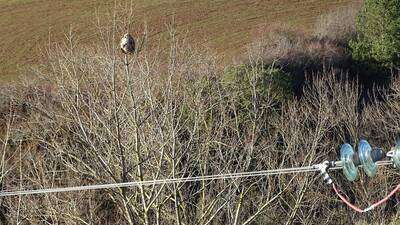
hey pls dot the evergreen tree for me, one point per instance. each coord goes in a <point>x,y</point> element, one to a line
<point>378,27</point>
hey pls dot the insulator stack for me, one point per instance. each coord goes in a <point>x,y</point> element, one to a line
<point>366,158</point>
<point>396,154</point>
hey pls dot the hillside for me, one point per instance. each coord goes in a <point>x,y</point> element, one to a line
<point>233,112</point>
<point>225,26</point>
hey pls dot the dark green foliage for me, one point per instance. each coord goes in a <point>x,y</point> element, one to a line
<point>378,27</point>
<point>255,84</point>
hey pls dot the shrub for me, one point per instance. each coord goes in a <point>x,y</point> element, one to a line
<point>263,82</point>
<point>338,26</point>
<point>297,54</point>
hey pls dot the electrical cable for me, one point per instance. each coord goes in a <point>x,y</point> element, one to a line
<point>305,169</point>
<point>163,181</point>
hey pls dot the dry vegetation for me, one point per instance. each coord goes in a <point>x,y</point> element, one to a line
<point>90,119</point>
<point>26,26</point>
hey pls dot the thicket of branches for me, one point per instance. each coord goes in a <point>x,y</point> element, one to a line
<point>93,119</point>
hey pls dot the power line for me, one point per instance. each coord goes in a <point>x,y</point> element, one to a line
<point>305,169</point>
